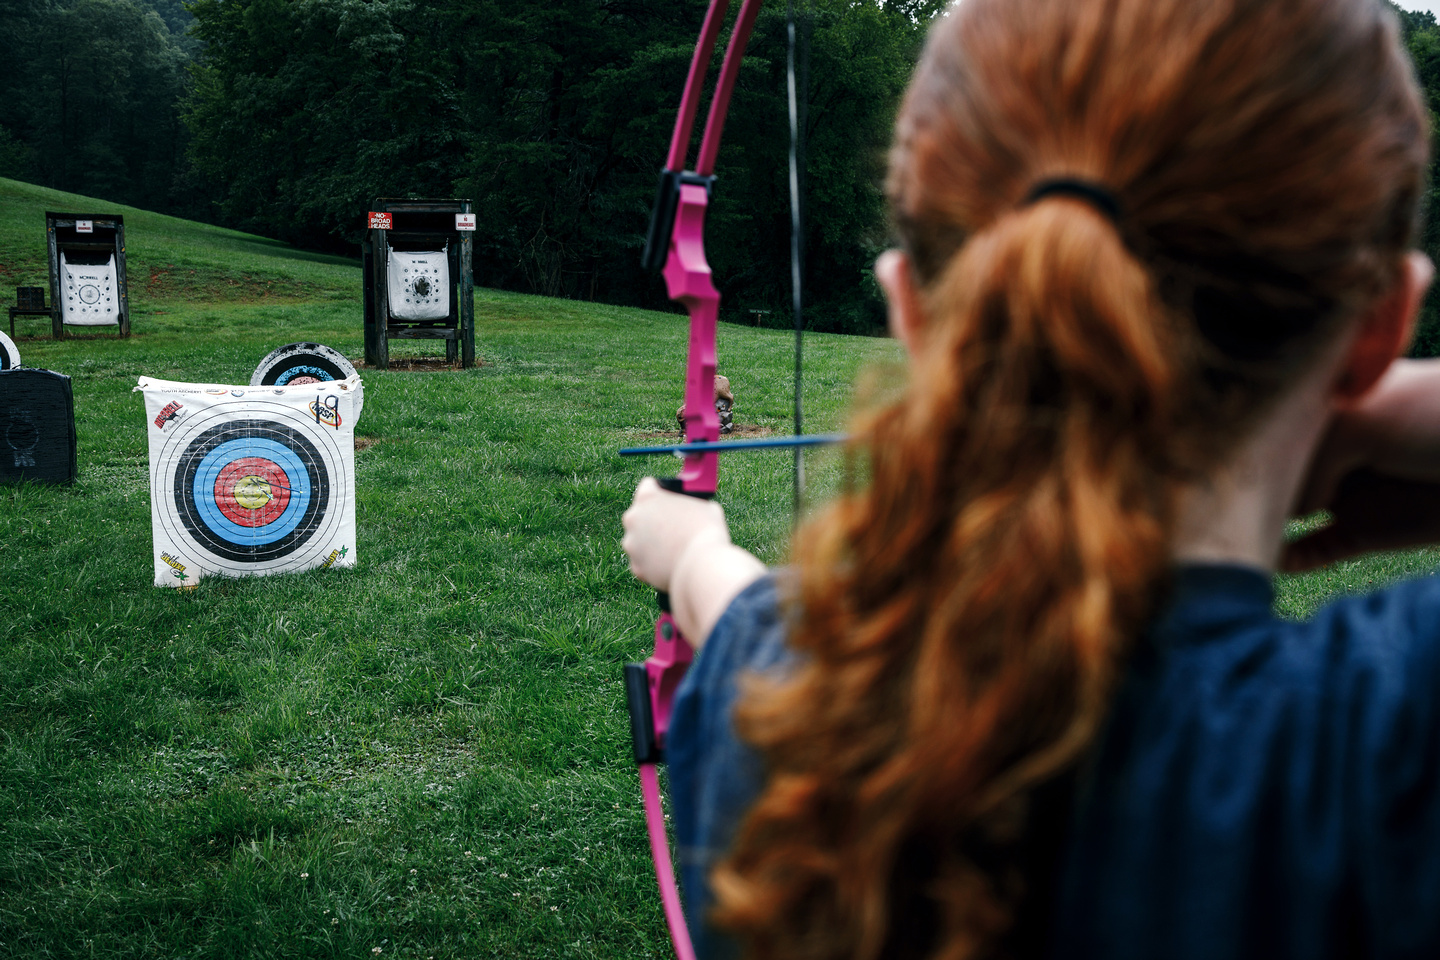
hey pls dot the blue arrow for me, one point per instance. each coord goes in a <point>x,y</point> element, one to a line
<point>725,446</point>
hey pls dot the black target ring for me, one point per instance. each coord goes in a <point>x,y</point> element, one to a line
<point>193,515</point>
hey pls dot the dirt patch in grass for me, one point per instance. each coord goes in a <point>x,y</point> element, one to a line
<point>365,443</point>
<point>742,431</point>
<point>208,284</point>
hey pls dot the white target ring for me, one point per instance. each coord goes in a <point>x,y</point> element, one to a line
<point>253,491</point>
<point>9,354</point>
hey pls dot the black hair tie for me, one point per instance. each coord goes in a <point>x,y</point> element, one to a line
<point>1092,193</point>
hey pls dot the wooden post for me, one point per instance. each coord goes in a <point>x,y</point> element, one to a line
<point>56,320</point>
<point>379,248</point>
<point>467,296</point>
<point>122,292</point>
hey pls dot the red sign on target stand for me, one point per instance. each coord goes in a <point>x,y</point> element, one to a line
<point>380,221</point>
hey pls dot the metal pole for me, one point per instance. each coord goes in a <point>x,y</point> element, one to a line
<point>796,301</point>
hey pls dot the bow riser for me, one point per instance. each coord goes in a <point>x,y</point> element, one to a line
<point>664,669</point>
<point>688,280</point>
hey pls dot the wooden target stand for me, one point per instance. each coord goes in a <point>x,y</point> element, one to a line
<point>83,238</point>
<point>410,226</point>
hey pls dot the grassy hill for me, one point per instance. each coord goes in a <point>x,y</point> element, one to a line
<point>426,754</point>
<point>169,259</point>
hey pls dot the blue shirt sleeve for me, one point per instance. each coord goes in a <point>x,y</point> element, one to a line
<point>1265,788</point>
<point>714,777</point>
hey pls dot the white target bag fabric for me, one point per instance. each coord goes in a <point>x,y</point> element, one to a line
<point>419,285</point>
<point>250,480</point>
<point>91,297</point>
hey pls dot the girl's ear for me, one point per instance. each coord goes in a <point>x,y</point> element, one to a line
<point>897,278</point>
<point>1385,329</point>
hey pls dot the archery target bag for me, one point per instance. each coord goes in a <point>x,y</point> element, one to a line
<point>296,364</point>
<point>37,426</point>
<point>250,480</point>
<point>419,285</point>
<point>9,355</point>
<point>91,296</point>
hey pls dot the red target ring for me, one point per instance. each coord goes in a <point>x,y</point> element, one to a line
<point>252,491</point>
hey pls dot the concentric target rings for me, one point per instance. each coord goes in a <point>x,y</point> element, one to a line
<point>299,363</point>
<point>250,462</point>
<point>254,494</point>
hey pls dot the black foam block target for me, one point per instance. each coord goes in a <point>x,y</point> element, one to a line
<point>37,427</point>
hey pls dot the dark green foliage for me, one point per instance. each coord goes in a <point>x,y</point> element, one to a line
<point>1422,39</point>
<point>555,118</point>
<point>552,115</point>
<point>89,98</point>
<point>306,110</point>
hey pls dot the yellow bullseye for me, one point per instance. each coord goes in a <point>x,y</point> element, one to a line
<point>252,492</point>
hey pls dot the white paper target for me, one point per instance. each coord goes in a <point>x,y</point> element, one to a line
<point>296,364</point>
<point>91,297</point>
<point>419,285</point>
<point>250,480</point>
<point>9,355</point>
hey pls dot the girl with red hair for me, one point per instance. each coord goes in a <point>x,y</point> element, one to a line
<point>1023,693</point>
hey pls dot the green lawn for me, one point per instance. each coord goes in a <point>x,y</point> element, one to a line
<point>426,754</point>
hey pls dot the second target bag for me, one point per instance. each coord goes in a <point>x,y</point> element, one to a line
<point>250,480</point>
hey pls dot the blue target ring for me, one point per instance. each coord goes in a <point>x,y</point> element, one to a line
<point>304,370</point>
<point>202,461</point>
<point>203,490</point>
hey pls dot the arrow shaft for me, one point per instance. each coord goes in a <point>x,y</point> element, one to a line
<point>724,446</point>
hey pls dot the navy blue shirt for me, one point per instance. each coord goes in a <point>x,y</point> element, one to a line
<point>1263,788</point>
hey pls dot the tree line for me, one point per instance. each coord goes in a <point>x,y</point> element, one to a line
<point>285,117</point>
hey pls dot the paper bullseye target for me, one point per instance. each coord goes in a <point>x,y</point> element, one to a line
<point>262,482</point>
<point>251,491</point>
<point>91,293</point>
<point>419,285</point>
<point>9,355</point>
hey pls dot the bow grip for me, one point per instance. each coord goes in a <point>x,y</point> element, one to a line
<point>675,485</point>
<point>650,686</point>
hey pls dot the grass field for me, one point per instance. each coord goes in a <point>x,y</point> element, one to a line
<point>425,755</point>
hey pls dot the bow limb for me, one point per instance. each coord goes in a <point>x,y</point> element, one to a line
<point>688,279</point>
<point>720,105</point>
